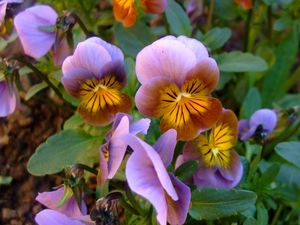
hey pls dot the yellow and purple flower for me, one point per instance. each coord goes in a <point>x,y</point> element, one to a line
<point>177,76</point>
<point>113,151</point>
<point>95,74</point>
<point>262,122</point>
<point>125,11</point>
<point>8,98</point>
<point>220,165</point>
<point>147,176</point>
<point>32,27</point>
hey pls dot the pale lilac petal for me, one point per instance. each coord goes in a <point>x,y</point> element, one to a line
<point>178,210</point>
<point>14,1</point>
<point>248,133</point>
<point>90,56</point>
<point>52,217</point>
<point>8,99</point>
<point>265,117</point>
<point>179,161</point>
<point>142,178</point>
<point>149,154</point>
<point>216,177</point>
<point>74,76</point>
<point>140,127</point>
<point>36,43</point>
<point>3,6</point>
<point>103,168</point>
<point>243,127</point>
<point>165,146</point>
<point>51,200</point>
<point>169,59</point>
<point>117,147</point>
<point>115,52</point>
<point>194,45</point>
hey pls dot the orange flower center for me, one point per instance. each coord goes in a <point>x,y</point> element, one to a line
<point>97,94</point>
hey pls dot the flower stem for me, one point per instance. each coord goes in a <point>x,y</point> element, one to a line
<point>41,75</point>
<point>87,168</point>
<point>129,207</point>
<point>210,15</point>
<point>277,214</point>
<point>247,34</point>
<point>81,24</point>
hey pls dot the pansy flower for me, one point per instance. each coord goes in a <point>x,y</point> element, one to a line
<point>3,7</point>
<point>220,165</point>
<point>36,30</point>
<point>177,76</point>
<point>262,122</point>
<point>125,11</point>
<point>113,151</point>
<point>8,98</point>
<point>95,74</point>
<point>147,176</point>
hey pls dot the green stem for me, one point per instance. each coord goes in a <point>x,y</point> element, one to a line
<point>210,15</point>
<point>129,207</point>
<point>277,214</point>
<point>270,25</point>
<point>166,24</point>
<point>87,168</point>
<point>81,24</point>
<point>247,33</point>
<point>132,200</point>
<point>41,75</point>
<point>292,79</point>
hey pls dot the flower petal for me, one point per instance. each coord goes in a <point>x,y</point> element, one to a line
<point>243,127</point>
<point>168,59</point>
<point>51,200</point>
<point>207,72</point>
<point>265,117</point>
<point>8,99</point>
<point>3,6</point>
<point>178,210</point>
<point>165,146</point>
<point>147,97</point>
<point>146,151</point>
<point>117,147</point>
<point>103,168</point>
<point>154,6</point>
<point>52,217</point>
<point>36,43</point>
<point>125,12</point>
<point>140,127</point>
<point>60,50</point>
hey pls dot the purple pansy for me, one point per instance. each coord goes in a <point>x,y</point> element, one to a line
<point>70,207</point>
<point>177,76</point>
<point>8,99</point>
<point>220,165</point>
<point>95,74</point>
<point>147,176</point>
<point>31,27</point>
<point>113,151</point>
<point>3,7</point>
<point>264,119</point>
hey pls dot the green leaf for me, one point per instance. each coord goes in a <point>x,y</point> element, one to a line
<point>251,103</point>
<point>289,151</point>
<point>250,221</point>
<point>262,215</point>
<point>132,40</point>
<point>35,89</point>
<point>275,78</point>
<point>5,180</point>
<point>237,61</point>
<point>62,150</point>
<point>213,204</point>
<point>268,176</point>
<point>187,169</point>
<point>177,19</point>
<point>216,37</point>
<point>288,101</point>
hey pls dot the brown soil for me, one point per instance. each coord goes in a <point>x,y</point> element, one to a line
<point>20,134</point>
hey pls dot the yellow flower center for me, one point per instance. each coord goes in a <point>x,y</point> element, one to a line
<point>177,106</point>
<point>96,94</point>
<point>216,148</point>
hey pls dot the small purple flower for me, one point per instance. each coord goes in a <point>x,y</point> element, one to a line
<point>113,151</point>
<point>147,176</point>
<point>263,120</point>
<point>8,99</point>
<point>31,27</point>
<point>68,207</point>
<point>220,165</point>
<point>95,74</point>
<point>3,7</point>
<point>52,217</point>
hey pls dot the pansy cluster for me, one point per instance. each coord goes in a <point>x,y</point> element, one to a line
<point>177,77</point>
